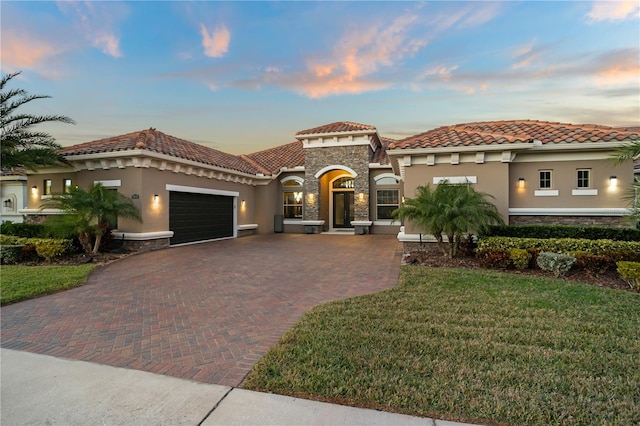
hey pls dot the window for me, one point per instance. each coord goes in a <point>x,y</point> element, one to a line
<point>386,202</point>
<point>293,205</point>
<point>344,183</point>
<point>47,187</point>
<point>545,179</point>
<point>292,199</point>
<point>584,180</point>
<point>387,181</point>
<point>66,185</point>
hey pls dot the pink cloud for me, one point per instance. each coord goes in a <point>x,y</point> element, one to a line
<point>215,44</point>
<point>22,51</point>
<point>614,10</point>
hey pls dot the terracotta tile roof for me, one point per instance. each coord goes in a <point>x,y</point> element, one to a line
<point>505,132</point>
<point>272,160</point>
<point>380,155</point>
<point>337,127</point>
<point>153,140</point>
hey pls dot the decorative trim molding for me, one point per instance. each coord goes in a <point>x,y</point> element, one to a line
<point>247,226</point>
<point>294,178</point>
<point>195,190</point>
<point>361,222</point>
<point>568,212</point>
<point>142,236</point>
<point>584,192</point>
<point>546,193</point>
<point>335,167</point>
<point>455,179</point>
<point>312,222</point>
<point>292,221</point>
<point>109,183</point>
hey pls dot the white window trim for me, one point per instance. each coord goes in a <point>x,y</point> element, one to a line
<point>589,179</point>
<point>335,167</point>
<point>292,178</point>
<point>387,175</point>
<point>455,180</point>
<point>546,193</point>
<point>584,192</point>
<point>109,183</point>
<point>385,205</point>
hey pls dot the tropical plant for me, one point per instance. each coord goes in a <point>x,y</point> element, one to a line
<point>631,152</point>
<point>88,214</point>
<point>454,210</point>
<point>22,146</point>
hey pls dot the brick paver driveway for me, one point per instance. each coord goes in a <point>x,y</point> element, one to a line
<point>205,312</point>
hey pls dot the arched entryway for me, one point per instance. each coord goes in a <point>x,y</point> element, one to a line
<point>342,202</point>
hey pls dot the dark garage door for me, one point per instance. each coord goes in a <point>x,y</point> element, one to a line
<point>198,217</point>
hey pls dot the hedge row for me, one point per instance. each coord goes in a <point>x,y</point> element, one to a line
<point>563,231</point>
<point>558,245</point>
<point>15,249</point>
<point>26,230</point>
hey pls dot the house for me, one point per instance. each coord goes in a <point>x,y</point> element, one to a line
<point>345,177</point>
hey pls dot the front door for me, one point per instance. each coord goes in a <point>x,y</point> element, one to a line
<point>343,209</point>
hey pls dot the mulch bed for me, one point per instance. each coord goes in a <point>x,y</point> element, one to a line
<point>430,255</point>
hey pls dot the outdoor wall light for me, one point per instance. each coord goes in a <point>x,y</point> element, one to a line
<point>310,198</point>
<point>34,190</point>
<point>8,203</point>
<point>361,196</point>
<point>613,182</point>
<point>403,199</point>
<point>521,182</point>
<point>243,203</point>
<point>156,198</point>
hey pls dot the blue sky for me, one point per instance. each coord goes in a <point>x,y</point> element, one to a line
<point>245,76</point>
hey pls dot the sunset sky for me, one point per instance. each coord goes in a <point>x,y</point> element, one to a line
<point>245,76</point>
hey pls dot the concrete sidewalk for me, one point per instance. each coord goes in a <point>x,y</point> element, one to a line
<point>40,389</point>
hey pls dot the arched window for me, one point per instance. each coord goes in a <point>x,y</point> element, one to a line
<point>292,197</point>
<point>387,195</point>
<point>344,183</point>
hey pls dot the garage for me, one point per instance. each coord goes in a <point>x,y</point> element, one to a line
<point>201,216</point>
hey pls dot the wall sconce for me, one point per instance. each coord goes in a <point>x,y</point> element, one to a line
<point>521,182</point>
<point>243,203</point>
<point>156,198</point>
<point>361,196</point>
<point>34,190</point>
<point>613,182</point>
<point>8,203</point>
<point>310,197</point>
<point>403,199</point>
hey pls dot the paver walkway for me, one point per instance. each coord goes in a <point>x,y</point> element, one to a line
<point>205,312</point>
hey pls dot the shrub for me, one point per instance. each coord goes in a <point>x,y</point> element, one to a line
<point>630,272</point>
<point>7,240</point>
<point>10,254</point>
<point>51,250</point>
<point>559,245</point>
<point>563,231</point>
<point>558,263</point>
<point>594,264</point>
<point>494,259</point>
<point>520,258</point>
<point>25,230</point>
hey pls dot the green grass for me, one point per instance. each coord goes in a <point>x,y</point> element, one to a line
<point>26,282</point>
<point>476,346</point>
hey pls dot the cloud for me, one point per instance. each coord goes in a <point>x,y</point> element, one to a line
<point>26,51</point>
<point>350,66</point>
<point>527,55</point>
<point>619,67</point>
<point>215,44</point>
<point>97,22</point>
<point>614,10</point>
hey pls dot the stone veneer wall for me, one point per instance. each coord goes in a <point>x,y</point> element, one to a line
<point>355,157</point>
<point>610,221</point>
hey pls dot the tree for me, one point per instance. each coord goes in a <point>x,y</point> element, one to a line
<point>451,210</point>
<point>22,146</point>
<point>89,213</point>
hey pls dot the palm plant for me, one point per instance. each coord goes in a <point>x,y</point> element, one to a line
<point>88,214</point>
<point>631,152</point>
<point>20,145</point>
<point>451,210</point>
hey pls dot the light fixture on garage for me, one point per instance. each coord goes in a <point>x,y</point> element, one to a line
<point>613,182</point>
<point>521,182</point>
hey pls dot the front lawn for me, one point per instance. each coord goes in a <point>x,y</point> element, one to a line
<point>476,346</point>
<point>26,282</point>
